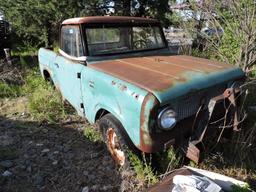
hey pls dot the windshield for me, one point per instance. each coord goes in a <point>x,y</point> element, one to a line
<point>114,40</point>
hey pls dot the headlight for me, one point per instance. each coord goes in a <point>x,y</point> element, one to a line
<point>167,119</point>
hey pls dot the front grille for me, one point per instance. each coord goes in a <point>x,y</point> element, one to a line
<point>189,104</point>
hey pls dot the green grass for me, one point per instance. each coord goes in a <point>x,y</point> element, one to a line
<point>237,188</point>
<point>143,169</point>
<point>44,103</point>
<point>169,160</point>
<point>8,90</point>
<point>92,134</point>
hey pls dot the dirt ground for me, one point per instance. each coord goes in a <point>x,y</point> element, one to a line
<point>56,158</point>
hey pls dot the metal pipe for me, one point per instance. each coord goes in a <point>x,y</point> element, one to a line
<point>7,52</point>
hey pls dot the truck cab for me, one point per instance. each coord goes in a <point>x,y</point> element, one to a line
<point>119,71</point>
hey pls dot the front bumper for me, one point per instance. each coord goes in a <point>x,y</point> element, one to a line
<point>223,110</point>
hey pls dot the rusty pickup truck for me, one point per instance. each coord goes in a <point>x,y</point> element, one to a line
<point>118,71</point>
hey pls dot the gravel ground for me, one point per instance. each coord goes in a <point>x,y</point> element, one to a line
<point>38,157</point>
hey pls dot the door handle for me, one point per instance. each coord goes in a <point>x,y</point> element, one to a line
<point>57,65</point>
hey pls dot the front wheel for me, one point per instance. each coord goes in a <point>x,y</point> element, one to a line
<point>116,145</point>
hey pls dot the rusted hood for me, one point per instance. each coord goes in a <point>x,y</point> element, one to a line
<point>169,76</point>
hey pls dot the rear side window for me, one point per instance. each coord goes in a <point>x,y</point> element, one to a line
<point>71,42</point>
<point>101,35</point>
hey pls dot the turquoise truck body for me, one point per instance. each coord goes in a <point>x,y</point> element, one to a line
<point>93,89</point>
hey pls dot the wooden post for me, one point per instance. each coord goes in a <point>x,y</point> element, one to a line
<point>8,55</point>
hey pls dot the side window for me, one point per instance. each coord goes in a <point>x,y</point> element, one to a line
<point>71,42</point>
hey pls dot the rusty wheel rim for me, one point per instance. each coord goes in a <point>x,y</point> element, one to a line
<point>115,147</point>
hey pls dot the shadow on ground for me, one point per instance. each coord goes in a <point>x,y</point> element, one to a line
<point>36,157</point>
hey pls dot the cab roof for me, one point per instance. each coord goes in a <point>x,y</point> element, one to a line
<point>108,20</point>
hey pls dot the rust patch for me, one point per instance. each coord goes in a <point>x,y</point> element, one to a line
<point>167,183</point>
<point>193,153</point>
<point>157,73</point>
<point>122,87</point>
<point>108,19</point>
<point>146,141</point>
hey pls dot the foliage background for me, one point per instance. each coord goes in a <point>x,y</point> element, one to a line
<point>36,22</point>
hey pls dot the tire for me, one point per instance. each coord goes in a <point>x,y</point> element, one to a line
<point>115,143</point>
<point>49,79</point>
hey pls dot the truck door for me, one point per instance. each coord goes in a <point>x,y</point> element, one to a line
<point>68,68</point>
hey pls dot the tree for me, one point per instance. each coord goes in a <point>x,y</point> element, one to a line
<point>143,8</point>
<point>233,26</point>
<point>38,21</point>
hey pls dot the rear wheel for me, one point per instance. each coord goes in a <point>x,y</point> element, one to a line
<point>116,145</point>
<point>48,78</point>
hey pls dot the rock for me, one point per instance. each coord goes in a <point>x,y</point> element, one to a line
<point>85,173</point>
<point>6,164</point>
<point>66,148</point>
<point>56,152</point>
<point>85,189</point>
<point>29,169</point>
<point>107,188</point>
<point>27,162</point>
<point>39,180</point>
<point>44,130</point>
<point>45,150</point>
<point>31,151</point>
<point>70,155</point>
<point>7,174</point>
<point>39,144</point>
<point>6,140</point>
<point>55,162</point>
<point>94,155</point>
<point>95,187</point>
<point>30,142</point>
<point>91,177</point>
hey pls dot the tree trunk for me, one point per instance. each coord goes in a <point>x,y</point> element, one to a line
<point>126,7</point>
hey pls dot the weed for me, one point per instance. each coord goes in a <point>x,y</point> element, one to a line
<point>33,81</point>
<point>92,134</point>
<point>45,104</point>
<point>143,169</point>
<point>169,160</point>
<point>237,188</point>
<point>8,90</point>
